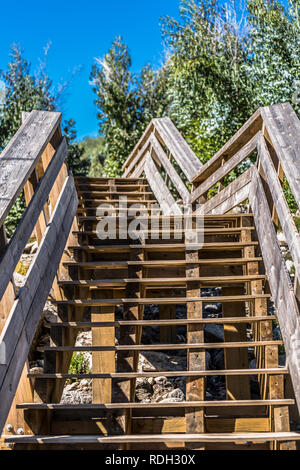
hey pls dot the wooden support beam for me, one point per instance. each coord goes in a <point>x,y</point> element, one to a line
<point>195,386</point>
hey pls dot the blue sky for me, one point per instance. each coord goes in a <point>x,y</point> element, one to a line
<point>79,32</point>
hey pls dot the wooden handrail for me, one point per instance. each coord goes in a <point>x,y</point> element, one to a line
<point>20,157</point>
<point>34,160</point>
<point>274,132</point>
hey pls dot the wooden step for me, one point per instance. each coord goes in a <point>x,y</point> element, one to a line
<point>180,247</point>
<point>156,438</point>
<point>98,200</point>
<point>120,180</point>
<point>161,301</point>
<point>171,322</point>
<point>172,233</point>
<point>160,263</point>
<point>215,281</point>
<point>164,373</point>
<point>137,406</point>
<point>162,347</point>
<point>95,193</point>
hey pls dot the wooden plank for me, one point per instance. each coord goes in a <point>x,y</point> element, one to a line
<point>178,425</point>
<point>103,362</point>
<point>175,178</point>
<point>230,165</point>
<point>195,387</point>
<point>18,241</point>
<point>164,322</point>
<point>162,301</point>
<point>147,406</point>
<point>164,280</point>
<point>159,188</point>
<point>21,155</point>
<point>25,314</point>
<point>178,147</point>
<point>289,228</point>
<point>282,292</point>
<point>240,138</point>
<point>234,194</point>
<point>144,438</point>
<point>158,263</point>
<point>169,346</point>
<point>127,375</point>
<point>138,152</point>
<point>283,127</point>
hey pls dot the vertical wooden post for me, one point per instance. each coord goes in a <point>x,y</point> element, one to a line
<point>195,386</point>
<point>103,361</point>
<point>127,361</point>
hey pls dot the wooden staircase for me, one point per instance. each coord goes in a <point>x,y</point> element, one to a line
<point>122,288</point>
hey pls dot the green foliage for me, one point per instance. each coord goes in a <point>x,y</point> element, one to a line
<point>79,364</point>
<point>208,87</point>
<point>26,91</point>
<point>126,103</point>
<point>93,149</point>
<point>15,215</point>
<point>221,65</point>
<point>78,163</point>
<point>274,51</point>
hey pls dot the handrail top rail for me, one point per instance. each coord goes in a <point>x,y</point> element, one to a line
<point>167,133</point>
<point>21,155</point>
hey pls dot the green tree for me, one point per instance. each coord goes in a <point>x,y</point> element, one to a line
<point>78,162</point>
<point>126,103</point>
<point>209,90</point>
<point>93,149</point>
<point>274,49</point>
<point>23,92</point>
<point>117,105</point>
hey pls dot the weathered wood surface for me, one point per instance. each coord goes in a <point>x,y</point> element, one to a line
<point>26,147</point>
<point>283,127</point>
<point>219,174</point>
<point>289,228</point>
<point>18,241</point>
<point>281,289</point>
<point>234,194</point>
<point>144,438</point>
<point>138,151</point>
<point>178,146</point>
<point>25,314</point>
<point>167,133</point>
<point>175,178</point>
<point>159,188</point>
<point>240,138</point>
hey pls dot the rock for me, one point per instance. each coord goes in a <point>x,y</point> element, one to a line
<point>252,364</point>
<point>214,333</point>
<point>36,370</point>
<point>282,360</point>
<point>290,265</point>
<point>76,393</point>
<point>84,338</point>
<point>277,334</point>
<point>177,395</point>
<point>19,281</point>
<point>160,380</point>
<point>281,239</point>
<point>212,309</point>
